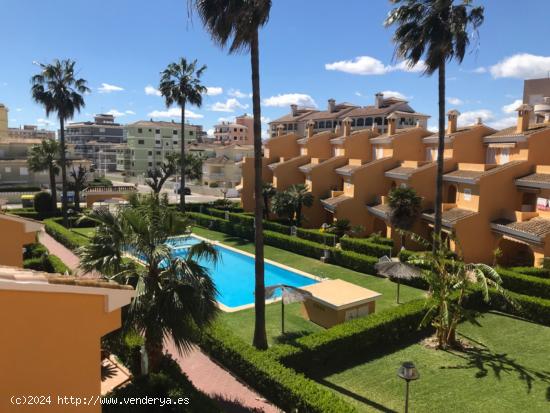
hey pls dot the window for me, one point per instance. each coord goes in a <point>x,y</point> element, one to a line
<point>141,142</point>
<point>360,122</point>
<point>403,185</point>
<point>241,129</point>
<point>234,138</point>
<point>322,124</point>
<point>157,131</point>
<point>378,121</point>
<point>167,143</point>
<point>158,152</point>
<point>467,194</point>
<point>175,132</point>
<point>385,121</point>
<point>150,153</point>
<point>234,129</point>
<point>353,122</point>
<point>7,169</point>
<point>101,130</point>
<point>368,122</point>
<point>150,163</point>
<point>150,130</point>
<point>191,133</point>
<point>175,142</point>
<point>23,171</point>
<point>140,130</point>
<point>158,163</point>
<point>157,142</point>
<point>328,124</point>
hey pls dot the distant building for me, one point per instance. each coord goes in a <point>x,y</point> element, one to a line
<point>362,117</point>
<point>224,170</point>
<point>241,131</point>
<point>536,92</point>
<point>97,141</point>
<point>148,144</point>
<point>30,132</point>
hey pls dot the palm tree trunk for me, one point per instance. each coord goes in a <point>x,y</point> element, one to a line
<point>53,189</point>
<point>62,158</point>
<point>154,353</point>
<point>440,151</point>
<point>182,160</point>
<point>260,336</point>
<point>76,196</point>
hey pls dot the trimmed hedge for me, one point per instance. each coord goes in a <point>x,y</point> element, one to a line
<point>379,239</point>
<point>32,214</point>
<point>533,271</point>
<point>525,284</point>
<point>290,391</point>
<point>47,263</point>
<point>63,235</point>
<point>317,236</point>
<point>364,246</point>
<point>353,260</point>
<point>355,339</point>
<point>299,246</point>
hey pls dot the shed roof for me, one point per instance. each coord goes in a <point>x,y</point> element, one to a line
<point>340,294</point>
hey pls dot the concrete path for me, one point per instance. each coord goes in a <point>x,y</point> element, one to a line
<point>206,375</point>
<point>218,383</point>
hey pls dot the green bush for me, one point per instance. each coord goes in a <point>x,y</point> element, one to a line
<point>294,244</point>
<point>379,239</point>
<point>35,250</point>
<point>525,284</point>
<point>63,235</point>
<point>535,272</point>
<point>364,246</point>
<point>46,263</point>
<point>171,383</point>
<point>30,213</point>
<point>354,261</point>
<point>43,203</point>
<point>290,391</point>
<point>317,236</point>
<point>355,339</point>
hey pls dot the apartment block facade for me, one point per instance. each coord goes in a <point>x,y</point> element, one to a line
<point>241,131</point>
<point>496,183</point>
<point>148,143</point>
<point>224,169</point>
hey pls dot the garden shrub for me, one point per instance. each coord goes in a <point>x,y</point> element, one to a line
<point>30,213</point>
<point>317,236</point>
<point>525,284</point>
<point>46,263</point>
<point>364,246</point>
<point>63,235</point>
<point>35,250</point>
<point>354,261</point>
<point>379,239</point>
<point>294,244</point>
<point>43,203</point>
<point>533,271</point>
<point>290,391</point>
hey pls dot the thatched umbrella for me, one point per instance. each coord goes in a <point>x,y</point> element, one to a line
<point>393,268</point>
<point>289,294</point>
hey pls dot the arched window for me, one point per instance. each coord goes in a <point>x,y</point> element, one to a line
<point>368,122</point>
<point>322,124</point>
<point>328,125</point>
<point>378,121</point>
<point>360,122</point>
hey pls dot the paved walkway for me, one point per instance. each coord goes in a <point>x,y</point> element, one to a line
<point>205,374</point>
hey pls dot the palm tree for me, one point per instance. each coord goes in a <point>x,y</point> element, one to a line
<point>237,23</point>
<point>58,89</point>
<point>43,157</point>
<point>268,191</point>
<point>404,208</point>
<point>282,205</point>
<point>176,297</point>
<point>80,176</point>
<point>180,84</point>
<point>438,30</point>
<point>301,196</point>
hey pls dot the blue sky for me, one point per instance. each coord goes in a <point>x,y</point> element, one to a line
<point>338,49</point>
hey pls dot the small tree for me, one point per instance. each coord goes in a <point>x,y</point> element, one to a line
<point>449,280</point>
<point>157,177</point>
<point>43,203</point>
<point>405,207</point>
<point>43,157</point>
<point>340,227</point>
<point>282,205</point>
<point>268,191</point>
<point>80,176</point>
<point>301,197</point>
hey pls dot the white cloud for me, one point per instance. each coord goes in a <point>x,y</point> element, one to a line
<point>470,117</point>
<point>210,131</point>
<point>503,123</point>
<point>230,105</point>
<point>511,108</point>
<point>393,94</point>
<point>522,66</point>
<point>455,101</point>
<point>214,91</point>
<point>173,113</point>
<point>44,122</point>
<point>115,113</point>
<point>225,119</point>
<point>367,65</point>
<point>151,91</point>
<point>18,109</point>
<point>236,93</point>
<point>480,69</point>
<point>358,94</point>
<point>107,88</point>
<point>265,119</point>
<point>130,112</point>
<point>287,99</point>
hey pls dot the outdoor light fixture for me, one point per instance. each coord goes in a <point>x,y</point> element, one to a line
<point>408,372</point>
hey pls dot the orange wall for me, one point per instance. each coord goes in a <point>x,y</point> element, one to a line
<point>51,346</point>
<point>12,239</point>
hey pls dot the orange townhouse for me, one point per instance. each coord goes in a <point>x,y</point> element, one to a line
<point>16,232</point>
<point>51,338</point>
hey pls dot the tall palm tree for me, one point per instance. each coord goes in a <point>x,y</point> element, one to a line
<point>301,197</point>
<point>439,31</point>
<point>405,207</point>
<point>236,23</point>
<point>43,157</point>
<point>180,84</point>
<point>58,89</point>
<point>176,297</point>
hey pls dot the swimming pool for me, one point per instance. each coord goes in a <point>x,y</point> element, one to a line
<point>234,273</point>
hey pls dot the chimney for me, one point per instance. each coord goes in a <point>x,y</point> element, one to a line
<point>309,128</point>
<point>331,105</point>
<point>347,126</point>
<point>280,130</point>
<point>524,112</point>
<point>452,117</point>
<point>392,124</point>
<point>294,109</point>
<point>378,100</point>
<point>479,121</point>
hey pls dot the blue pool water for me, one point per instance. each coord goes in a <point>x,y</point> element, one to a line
<point>234,274</point>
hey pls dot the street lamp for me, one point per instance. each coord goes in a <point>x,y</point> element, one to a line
<point>408,372</point>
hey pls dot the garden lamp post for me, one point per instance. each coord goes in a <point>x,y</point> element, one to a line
<point>408,372</point>
<point>70,213</point>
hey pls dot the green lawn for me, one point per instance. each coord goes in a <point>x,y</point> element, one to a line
<point>87,232</point>
<point>508,371</point>
<point>242,322</point>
